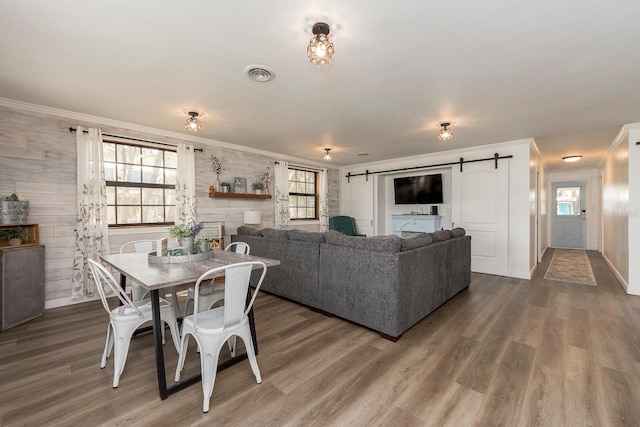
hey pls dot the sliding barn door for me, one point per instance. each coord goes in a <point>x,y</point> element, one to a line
<point>359,196</point>
<point>481,207</point>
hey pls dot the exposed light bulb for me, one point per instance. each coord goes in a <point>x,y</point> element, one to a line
<point>327,154</point>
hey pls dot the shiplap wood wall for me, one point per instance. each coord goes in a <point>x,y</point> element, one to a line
<point>38,160</point>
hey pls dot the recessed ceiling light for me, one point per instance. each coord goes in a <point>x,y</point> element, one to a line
<point>570,159</point>
<point>259,73</point>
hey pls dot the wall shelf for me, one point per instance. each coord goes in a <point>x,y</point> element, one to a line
<point>216,194</point>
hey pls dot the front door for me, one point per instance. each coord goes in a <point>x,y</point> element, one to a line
<point>568,215</point>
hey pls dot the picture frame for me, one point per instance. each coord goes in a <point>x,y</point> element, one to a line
<point>240,185</point>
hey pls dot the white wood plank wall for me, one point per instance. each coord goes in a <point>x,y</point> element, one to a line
<point>38,160</point>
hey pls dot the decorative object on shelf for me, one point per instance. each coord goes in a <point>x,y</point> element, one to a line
<point>186,233</point>
<point>258,187</point>
<point>240,185</point>
<point>192,123</point>
<point>252,217</point>
<point>320,50</point>
<point>445,134</point>
<point>217,167</point>
<point>266,178</point>
<point>225,187</point>
<point>15,209</point>
<point>14,235</point>
<point>327,154</point>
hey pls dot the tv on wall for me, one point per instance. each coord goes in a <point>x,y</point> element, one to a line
<point>424,189</point>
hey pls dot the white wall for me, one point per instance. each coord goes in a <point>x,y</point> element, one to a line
<point>519,193</point>
<point>634,209</point>
<point>593,216</point>
<point>615,207</point>
<point>537,207</point>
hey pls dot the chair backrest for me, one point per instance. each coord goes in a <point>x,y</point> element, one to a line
<point>344,224</point>
<point>103,278</point>
<point>236,286</point>
<point>138,246</point>
<point>240,248</point>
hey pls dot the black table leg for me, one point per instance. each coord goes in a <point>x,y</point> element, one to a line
<point>157,334</point>
<point>123,284</point>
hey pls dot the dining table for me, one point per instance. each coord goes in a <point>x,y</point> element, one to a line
<point>155,276</point>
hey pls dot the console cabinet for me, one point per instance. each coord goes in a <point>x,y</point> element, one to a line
<point>415,223</point>
<point>21,284</point>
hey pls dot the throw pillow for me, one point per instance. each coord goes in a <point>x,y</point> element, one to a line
<point>423,239</point>
<point>306,236</point>
<point>458,232</point>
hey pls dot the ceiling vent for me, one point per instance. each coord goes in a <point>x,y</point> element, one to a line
<point>260,73</point>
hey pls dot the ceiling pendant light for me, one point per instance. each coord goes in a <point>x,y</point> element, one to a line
<point>320,50</point>
<point>571,158</point>
<point>327,154</point>
<point>192,123</point>
<point>445,134</point>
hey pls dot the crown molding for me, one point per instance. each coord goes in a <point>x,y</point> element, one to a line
<point>50,111</point>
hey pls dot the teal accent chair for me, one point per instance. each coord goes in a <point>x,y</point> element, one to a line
<point>344,224</point>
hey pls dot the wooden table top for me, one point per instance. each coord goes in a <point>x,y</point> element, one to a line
<point>157,276</point>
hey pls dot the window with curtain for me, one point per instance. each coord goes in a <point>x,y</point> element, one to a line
<point>303,194</point>
<point>140,184</point>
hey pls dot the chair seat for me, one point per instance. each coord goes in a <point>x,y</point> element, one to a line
<point>211,322</point>
<point>125,311</point>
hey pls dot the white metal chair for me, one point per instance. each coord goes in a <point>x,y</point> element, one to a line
<point>139,292</point>
<point>209,295</point>
<point>212,328</point>
<point>126,318</point>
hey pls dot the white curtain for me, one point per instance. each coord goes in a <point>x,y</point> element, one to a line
<point>324,200</point>
<point>281,194</point>
<point>185,185</point>
<point>92,228</point>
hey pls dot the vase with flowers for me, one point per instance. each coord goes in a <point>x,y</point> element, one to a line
<point>217,167</point>
<point>186,234</point>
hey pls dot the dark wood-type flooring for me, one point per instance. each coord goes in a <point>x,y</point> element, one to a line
<point>504,352</point>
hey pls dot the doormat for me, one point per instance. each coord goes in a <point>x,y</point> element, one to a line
<point>571,265</point>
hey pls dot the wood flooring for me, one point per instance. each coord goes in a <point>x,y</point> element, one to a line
<point>505,352</point>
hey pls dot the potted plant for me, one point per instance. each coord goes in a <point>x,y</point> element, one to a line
<point>225,187</point>
<point>258,187</point>
<point>15,235</point>
<point>203,245</point>
<point>14,209</point>
<point>186,233</point>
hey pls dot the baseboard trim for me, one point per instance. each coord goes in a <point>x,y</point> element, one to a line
<point>61,302</point>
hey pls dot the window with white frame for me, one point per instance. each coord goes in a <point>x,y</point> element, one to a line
<point>303,194</point>
<point>140,184</point>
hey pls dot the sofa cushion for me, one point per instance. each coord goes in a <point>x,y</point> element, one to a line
<point>306,236</point>
<point>271,233</point>
<point>375,244</point>
<point>243,230</point>
<point>441,235</point>
<point>458,232</point>
<point>424,239</point>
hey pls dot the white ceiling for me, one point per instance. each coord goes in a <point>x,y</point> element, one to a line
<point>565,73</point>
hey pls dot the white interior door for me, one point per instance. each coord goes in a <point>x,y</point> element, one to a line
<point>568,215</point>
<point>359,196</point>
<point>481,207</point>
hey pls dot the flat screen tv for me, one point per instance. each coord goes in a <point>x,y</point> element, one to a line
<point>424,189</point>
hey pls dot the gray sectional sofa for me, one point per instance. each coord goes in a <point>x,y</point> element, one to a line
<point>385,283</point>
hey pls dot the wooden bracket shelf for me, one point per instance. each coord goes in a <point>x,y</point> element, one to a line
<point>215,194</point>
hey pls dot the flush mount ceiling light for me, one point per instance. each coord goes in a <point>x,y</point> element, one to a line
<point>570,159</point>
<point>327,154</point>
<point>445,134</point>
<point>192,123</point>
<point>320,50</point>
<point>259,73</point>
